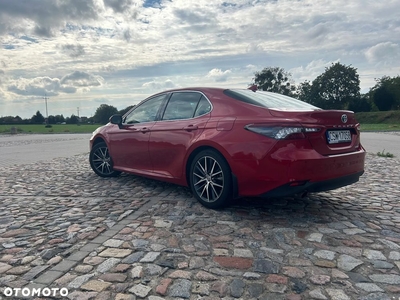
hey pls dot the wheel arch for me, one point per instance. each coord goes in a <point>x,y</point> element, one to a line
<point>210,147</point>
<point>97,140</point>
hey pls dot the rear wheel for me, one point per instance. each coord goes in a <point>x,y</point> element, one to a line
<point>210,179</point>
<point>100,161</point>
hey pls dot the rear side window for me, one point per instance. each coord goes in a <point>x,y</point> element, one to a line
<point>203,107</point>
<point>270,100</point>
<point>181,106</point>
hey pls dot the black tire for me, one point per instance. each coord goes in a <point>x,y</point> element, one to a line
<point>101,162</point>
<point>210,179</point>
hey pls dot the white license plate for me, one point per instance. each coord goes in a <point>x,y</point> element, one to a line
<point>338,136</point>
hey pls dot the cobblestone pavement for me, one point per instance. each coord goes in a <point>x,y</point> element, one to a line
<point>61,226</point>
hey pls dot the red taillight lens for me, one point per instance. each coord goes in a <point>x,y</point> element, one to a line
<point>281,132</point>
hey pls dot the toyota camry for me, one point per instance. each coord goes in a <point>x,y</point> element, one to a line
<point>231,143</point>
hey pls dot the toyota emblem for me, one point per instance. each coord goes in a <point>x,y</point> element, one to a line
<point>344,118</point>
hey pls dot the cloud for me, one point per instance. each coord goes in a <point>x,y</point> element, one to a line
<point>386,53</point>
<point>159,85</point>
<point>73,50</point>
<point>311,70</point>
<point>218,75</point>
<point>69,84</point>
<point>127,7</point>
<point>81,79</point>
<point>38,86</point>
<point>138,45</point>
<point>43,17</point>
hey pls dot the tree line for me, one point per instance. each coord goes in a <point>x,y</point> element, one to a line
<point>38,118</point>
<point>103,113</point>
<point>338,87</point>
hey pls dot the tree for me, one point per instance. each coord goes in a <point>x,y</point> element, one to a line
<point>274,79</point>
<point>125,110</point>
<point>336,87</point>
<point>37,118</point>
<point>303,91</point>
<point>51,119</point>
<point>360,104</point>
<point>72,120</point>
<point>386,93</point>
<point>103,113</point>
<point>59,119</point>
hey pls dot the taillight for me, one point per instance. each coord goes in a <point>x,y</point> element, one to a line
<point>282,132</point>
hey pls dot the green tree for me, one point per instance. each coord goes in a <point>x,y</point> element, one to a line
<point>103,113</point>
<point>51,119</point>
<point>125,110</point>
<point>386,93</point>
<point>59,119</point>
<point>360,104</point>
<point>274,79</point>
<point>336,87</point>
<point>303,91</point>
<point>72,120</point>
<point>37,118</point>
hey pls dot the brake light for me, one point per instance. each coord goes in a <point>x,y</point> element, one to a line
<point>282,132</point>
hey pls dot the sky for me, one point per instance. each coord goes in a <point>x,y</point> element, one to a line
<point>81,54</point>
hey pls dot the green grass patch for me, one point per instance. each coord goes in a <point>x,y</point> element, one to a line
<point>379,117</point>
<point>58,128</point>
<point>379,127</point>
<point>385,154</point>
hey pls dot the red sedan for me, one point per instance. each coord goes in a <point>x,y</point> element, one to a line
<point>230,143</point>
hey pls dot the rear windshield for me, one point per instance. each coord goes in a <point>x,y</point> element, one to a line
<point>270,100</point>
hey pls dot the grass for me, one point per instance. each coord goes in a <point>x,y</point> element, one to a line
<point>379,127</point>
<point>58,128</point>
<point>379,117</point>
<point>385,154</point>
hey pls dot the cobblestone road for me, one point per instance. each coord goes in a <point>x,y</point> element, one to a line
<point>61,226</point>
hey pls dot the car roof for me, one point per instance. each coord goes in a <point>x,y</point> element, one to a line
<point>210,89</point>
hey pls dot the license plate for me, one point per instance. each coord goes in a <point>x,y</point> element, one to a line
<point>338,136</point>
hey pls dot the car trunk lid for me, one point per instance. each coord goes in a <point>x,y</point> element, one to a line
<point>338,129</point>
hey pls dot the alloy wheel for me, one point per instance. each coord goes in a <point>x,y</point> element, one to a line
<point>102,161</point>
<point>208,179</point>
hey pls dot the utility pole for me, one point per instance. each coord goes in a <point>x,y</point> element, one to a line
<point>47,115</point>
<point>77,109</point>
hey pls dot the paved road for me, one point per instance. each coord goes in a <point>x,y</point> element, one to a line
<point>23,149</point>
<point>375,142</point>
<point>61,226</point>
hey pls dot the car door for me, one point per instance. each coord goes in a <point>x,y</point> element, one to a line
<point>129,145</point>
<point>184,119</point>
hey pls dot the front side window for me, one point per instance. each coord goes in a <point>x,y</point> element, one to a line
<point>145,112</point>
<point>181,106</point>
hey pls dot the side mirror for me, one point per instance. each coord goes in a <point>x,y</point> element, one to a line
<point>117,120</point>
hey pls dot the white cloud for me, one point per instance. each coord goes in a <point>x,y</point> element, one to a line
<point>311,70</point>
<point>386,53</point>
<point>156,86</point>
<point>81,79</point>
<point>218,75</point>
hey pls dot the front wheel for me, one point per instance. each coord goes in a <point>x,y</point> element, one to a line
<point>210,179</point>
<point>100,161</point>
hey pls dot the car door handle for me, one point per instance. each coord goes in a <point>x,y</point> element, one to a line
<point>190,127</point>
<point>144,129</point>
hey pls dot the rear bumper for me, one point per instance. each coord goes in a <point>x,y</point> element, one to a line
<point>292,170</point>
<point>319,186</point>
